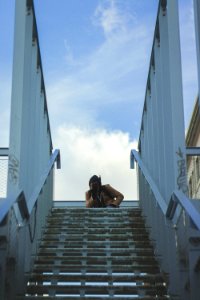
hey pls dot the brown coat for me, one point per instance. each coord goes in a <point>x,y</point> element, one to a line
<point>108,196</point>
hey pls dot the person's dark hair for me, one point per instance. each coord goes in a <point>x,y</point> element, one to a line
<point>94,178</point>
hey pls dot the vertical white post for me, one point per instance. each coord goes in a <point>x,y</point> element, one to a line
<point>149,132</point>
<point>159,119</point>
<point>197,34</point>
<point>32,120</point>
<point>37,170</point>
<point>144,139</point>
<point>21,82</point>
<point>176,98</point>
<point>166,106</point>
<point>154,128</point>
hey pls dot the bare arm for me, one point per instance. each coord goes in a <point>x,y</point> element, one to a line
<point>115,194</point>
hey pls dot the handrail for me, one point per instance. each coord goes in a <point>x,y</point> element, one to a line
<point>4,151</point>
<point>7,203</point>
<point>178,197</point>
<point>55,157</point>
<point>158,196</point>
<point>193,151</point>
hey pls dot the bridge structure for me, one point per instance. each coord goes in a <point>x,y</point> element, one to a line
<point>172,219</point>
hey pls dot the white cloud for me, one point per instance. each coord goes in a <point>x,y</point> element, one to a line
<point>85,152</point>
<point>111,19</point>
<point>114,72</point>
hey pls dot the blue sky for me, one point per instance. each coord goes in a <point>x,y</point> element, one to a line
<point>94,48</point>
<point>95,56</point>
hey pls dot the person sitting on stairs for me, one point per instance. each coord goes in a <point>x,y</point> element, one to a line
<point>102,195</point>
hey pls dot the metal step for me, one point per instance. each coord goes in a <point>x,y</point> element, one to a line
<point>90,289</point>
<point>95,254</point>
<point>97,230</point>
<point>134,240</point>
<point>101,227</point>
<point>93,239</point>
<point>97,251</point>
<point>100,277</point>
<point>71,297</point>
<point>79,260</point>
<point>97,268</point>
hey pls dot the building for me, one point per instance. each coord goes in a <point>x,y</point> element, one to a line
<point>193,162</point>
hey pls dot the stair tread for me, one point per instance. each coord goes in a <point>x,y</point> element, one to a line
<point>152,278</point>
<point>140,252</point>
<point>95,253</point>
<point>97,289</point>
<point>97,230</point>
<point>97,258</point>
<point>91,244</point>
<point>152,269</point>
<point>112,249</point>
<point>71,297</point>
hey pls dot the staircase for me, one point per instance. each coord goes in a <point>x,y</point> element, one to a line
<point>95,254</point>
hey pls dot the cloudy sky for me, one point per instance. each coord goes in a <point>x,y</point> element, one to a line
<point>95,56</point>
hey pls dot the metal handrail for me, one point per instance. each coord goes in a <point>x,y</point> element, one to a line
<point>55,157</point>
<point>193,151</point>
<point>177,198</point>
<point>161,202</point>
<point>4,151</point>
<point>19,198</point>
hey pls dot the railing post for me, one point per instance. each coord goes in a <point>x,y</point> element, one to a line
<point>176,93</point>
<point>160,153</point>
<point>19,102</point>
<point>197,35</point>
<point>174,130</point>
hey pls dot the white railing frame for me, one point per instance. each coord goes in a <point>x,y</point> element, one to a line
<point>178,198</point>
<point>197,38</point>
<point>30,134</point>
<point>24,229</point>
<point>161,161</point>
<point>11,200</point>
<point>173,228</point>
<point>161,139</point>
<point>30,169</point>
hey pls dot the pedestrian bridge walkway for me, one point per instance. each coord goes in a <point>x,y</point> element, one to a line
<point>147,252</point>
